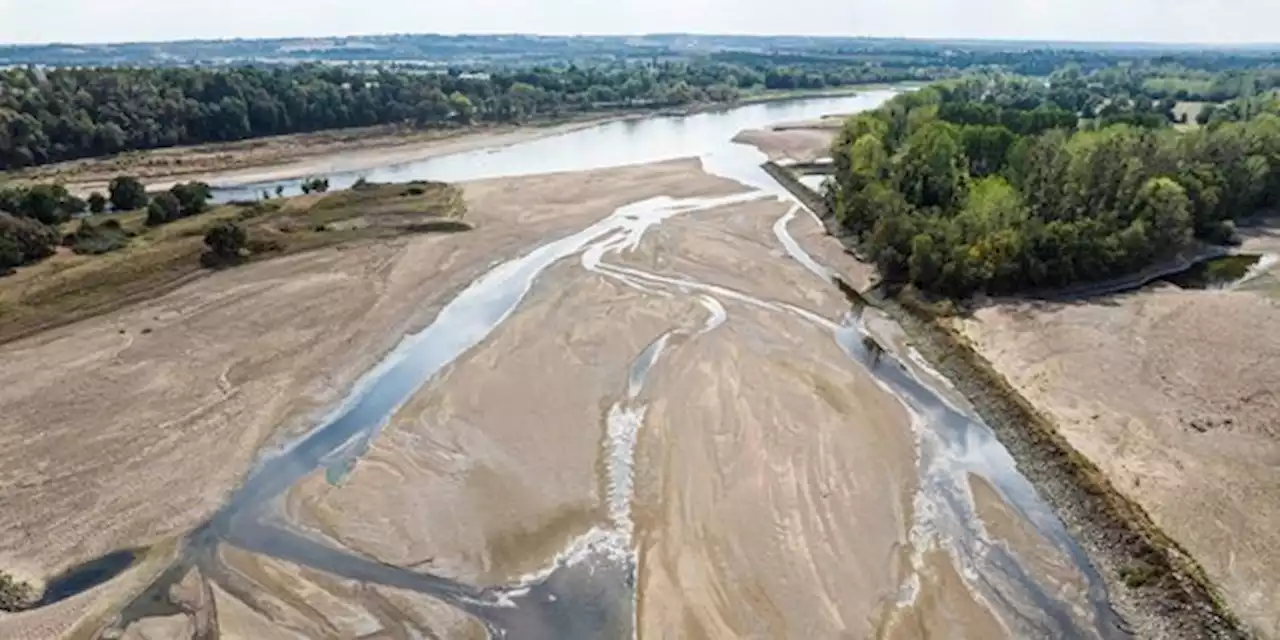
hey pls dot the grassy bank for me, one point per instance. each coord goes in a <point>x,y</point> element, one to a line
<point>68,287</point>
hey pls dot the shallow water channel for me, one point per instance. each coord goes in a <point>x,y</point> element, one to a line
<point>590,589</point>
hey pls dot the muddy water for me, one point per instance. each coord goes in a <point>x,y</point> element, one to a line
<point>750,467</point>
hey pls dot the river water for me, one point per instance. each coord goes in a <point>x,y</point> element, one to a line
<point>590,589</point>
<point>610,145</point>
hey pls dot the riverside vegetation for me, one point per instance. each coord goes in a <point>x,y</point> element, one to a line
<point>78,267</point>
<point>90,109</point>
<point>51,115</point>
<point>1001,184</point>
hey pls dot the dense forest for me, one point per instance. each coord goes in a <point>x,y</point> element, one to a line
<point>1001,184</point>
<point>50,115</point>
<point>88,105</point>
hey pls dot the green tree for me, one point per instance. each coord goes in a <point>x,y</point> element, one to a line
<point>97,202</point>
<point>46,203</point>
<point>127,193</point>
<point>1165,208</point>
<point>463,109</point>
<point>24,240</point>
<point>933,170</point>
<point>193,197</point>
<point>74,205</point>
<point>164,208</point>
<point>986,147</point>
<point>226,240</point>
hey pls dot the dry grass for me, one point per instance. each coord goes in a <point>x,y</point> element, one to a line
<point>69,287</point>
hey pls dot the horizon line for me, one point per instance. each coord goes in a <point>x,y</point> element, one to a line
<point>1253,45</point>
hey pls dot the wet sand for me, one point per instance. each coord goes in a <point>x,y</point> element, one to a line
<point>804,141</point>
<point>1173,394</point>
<point>133,427</point>
<point>700,412</point>
<point>674,430</point>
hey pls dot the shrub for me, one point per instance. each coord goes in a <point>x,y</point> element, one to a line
<point>315,185</point>
<point>14,595</point>
<point>127,193</point>
<point>89,239</point>
<point>97,202</point>
<point>225,241</point>
<point>1223,233</point>
<point>163,209</point>
<point>24,241</point>
<point>193,197</point>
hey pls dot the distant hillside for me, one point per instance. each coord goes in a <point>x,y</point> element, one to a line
<point>516,49</point>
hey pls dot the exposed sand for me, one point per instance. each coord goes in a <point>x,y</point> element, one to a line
<point>800,142</point>
<point>116,438</point>
<point>775,482</point>
<point>1176,396</point>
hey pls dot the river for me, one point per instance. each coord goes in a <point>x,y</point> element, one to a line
<point>948,529</point>
<point>609,145</point>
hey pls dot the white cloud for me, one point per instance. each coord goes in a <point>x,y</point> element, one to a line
<point>1214,21</point>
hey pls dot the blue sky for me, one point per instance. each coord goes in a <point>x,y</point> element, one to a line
<point>1210,21</point>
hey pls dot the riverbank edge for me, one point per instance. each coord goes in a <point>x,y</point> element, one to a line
<point>85,174</point>
<point>1156,586</point>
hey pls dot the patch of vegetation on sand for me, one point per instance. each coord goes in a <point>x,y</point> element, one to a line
<point>15,595</point>
<point>73,285</point>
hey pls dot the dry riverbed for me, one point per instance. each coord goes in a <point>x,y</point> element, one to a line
<point>680,391</point>
<point>132,427</point>
<point>1175,395</point>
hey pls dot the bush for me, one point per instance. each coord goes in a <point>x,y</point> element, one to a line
<point>127,193</point>
<point>14,595</point>
<point>10,255</point>
<point>89,239</point>
<point>193,197</point>
<point>75,205</point>
<point>315,185</point>
<point>97,203</point>
<point>225,241</point>
<point>1223,233</point>
<point>24,241</point>
<point>163,209</point>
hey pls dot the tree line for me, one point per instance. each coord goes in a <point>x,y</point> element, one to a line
<point>998,184</point>
<point>31,217</point>
<point>51,115</point>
